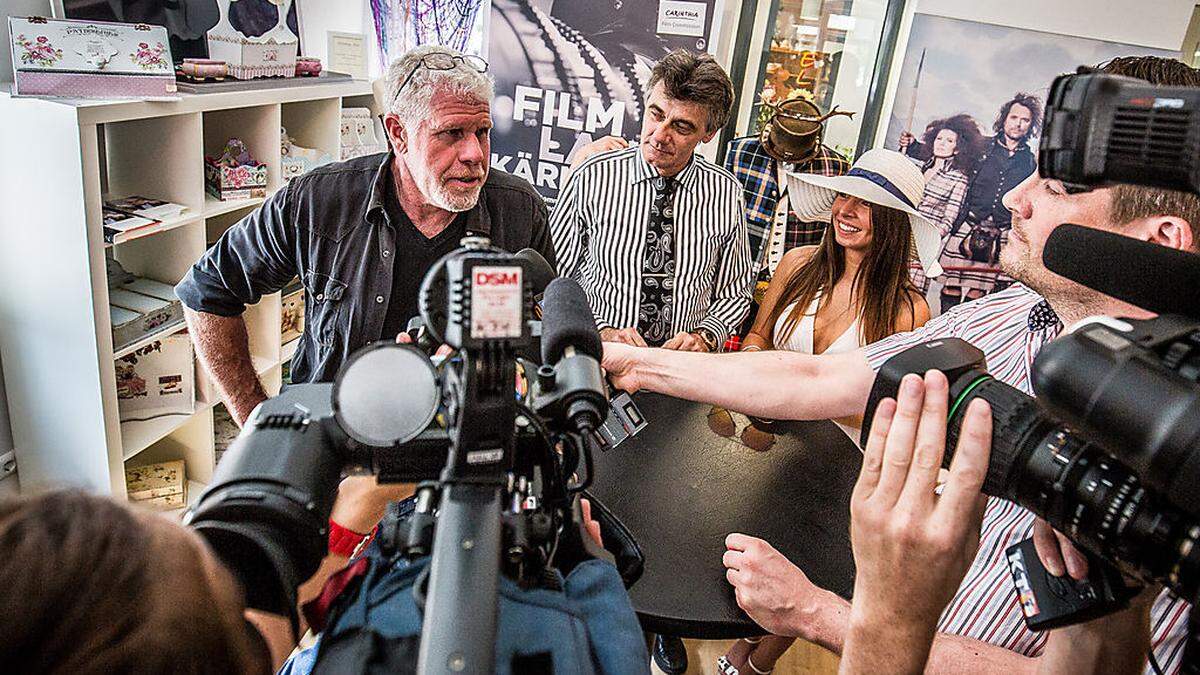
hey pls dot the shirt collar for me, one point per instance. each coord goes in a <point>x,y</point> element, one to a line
<point>642,171</point>
<point>1041,317</point>
<point>478,219</point>
<point>1021,145</point>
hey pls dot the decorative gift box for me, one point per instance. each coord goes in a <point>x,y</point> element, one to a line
<point>297,160</point>
<point>272,54</point>
<point>362,134</point>
<point>156,380</point>
<point>161,486</point>
<point>90,59</point>
<point>235,174</point>
<point>141,314</point>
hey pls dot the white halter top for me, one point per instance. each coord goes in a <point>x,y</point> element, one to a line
<point>801,339</point>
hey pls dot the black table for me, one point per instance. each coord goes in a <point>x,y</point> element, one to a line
<point>680,488</point>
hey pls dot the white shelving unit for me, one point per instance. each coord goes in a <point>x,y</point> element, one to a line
<point>65,157</point>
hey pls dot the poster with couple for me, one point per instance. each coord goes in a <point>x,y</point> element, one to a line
<point>968,111</point>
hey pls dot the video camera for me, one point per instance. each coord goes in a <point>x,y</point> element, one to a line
<point>1109,453</point>
<point>496,438</point>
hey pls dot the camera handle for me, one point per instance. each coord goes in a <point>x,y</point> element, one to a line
<point>460,626</point>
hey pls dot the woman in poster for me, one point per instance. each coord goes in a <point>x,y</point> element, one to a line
<point>955,145</point>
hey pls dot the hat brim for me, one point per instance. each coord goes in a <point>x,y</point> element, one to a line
<point>811,197</point>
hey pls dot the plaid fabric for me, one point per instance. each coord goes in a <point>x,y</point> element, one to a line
<point>941,202</point>
<point>746,159</point>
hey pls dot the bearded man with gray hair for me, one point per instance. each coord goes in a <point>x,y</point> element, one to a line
<point>361,234</point>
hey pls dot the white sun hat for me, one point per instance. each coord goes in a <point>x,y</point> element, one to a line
<point>880,176</point>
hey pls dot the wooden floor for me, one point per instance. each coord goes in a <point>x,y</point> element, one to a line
<point>803,657</point>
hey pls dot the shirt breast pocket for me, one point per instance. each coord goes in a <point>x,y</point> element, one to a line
<point>327,313</point>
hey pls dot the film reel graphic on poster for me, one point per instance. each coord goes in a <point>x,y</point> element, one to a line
<point>581,72</point>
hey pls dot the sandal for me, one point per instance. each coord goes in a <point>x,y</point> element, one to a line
<point>725,667</point>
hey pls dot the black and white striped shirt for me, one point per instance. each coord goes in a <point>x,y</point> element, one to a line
<point>599,225</point>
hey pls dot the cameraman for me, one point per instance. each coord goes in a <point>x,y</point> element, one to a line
<point>912,546</point>
<point>982,628</point>
<point>85,594</point>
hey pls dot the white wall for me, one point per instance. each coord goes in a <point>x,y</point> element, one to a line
<point>1151,23</point>
<point>318,18</point>
<point>12,8</point>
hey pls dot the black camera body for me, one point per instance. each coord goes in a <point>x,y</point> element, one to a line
<point>1106,453</point>
<point>1109,452</point>
<point>1103,129</point>
<point>495,438</point>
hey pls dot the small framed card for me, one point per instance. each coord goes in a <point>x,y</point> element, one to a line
<point>348,54</point>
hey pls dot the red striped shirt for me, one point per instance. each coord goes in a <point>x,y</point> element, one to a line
<point>985,606</point>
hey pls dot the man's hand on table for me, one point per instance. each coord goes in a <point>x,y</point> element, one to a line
<point>686,342</point>
<point>771,590</point>
<point>628,336</point>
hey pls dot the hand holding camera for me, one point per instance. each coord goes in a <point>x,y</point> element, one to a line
<point>912,546</point>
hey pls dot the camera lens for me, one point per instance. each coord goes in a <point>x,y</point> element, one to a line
<point>1078,487</point>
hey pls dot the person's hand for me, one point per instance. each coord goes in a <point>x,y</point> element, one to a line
<point>906,139</point>
<point>406,339</point>
<point>1058,555</point>
<point>686,342</point>
<point>362,501</point>
<point>768,587</point>
<point>619,361</point>
<point>629,336</point>
<point>911,546</point>
<point>596,147</point>
<point>589,523</point>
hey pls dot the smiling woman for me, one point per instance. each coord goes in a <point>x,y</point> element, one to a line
<point>854,287</point>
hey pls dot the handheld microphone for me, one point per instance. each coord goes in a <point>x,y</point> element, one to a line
<point>1156,278</point>
<point>539,272</point>
<point>571,352</point>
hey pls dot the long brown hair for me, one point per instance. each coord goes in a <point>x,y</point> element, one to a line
<point>881,285</point>
<point>95,587</point>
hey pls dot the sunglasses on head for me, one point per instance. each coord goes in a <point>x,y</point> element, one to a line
<point>443,61</point>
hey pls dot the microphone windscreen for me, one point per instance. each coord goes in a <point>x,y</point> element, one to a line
<point>567,322</point>
<point>1151,276</point>
<point>540,271</point>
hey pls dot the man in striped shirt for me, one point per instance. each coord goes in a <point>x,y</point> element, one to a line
<point>654,233</point>
<point>982,628</point>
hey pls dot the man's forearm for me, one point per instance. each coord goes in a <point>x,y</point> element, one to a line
<point>771,384</point>
<point>829,626</point>
<point>1115,644</point>
<point>223,347</point>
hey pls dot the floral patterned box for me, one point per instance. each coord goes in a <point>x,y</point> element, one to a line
<point>235,182</point>
<point>235,174</point>
<point>156,380</point>
<point>90,59</point>
<point>271,54</point>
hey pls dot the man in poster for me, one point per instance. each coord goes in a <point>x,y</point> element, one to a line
<point>972,251</point>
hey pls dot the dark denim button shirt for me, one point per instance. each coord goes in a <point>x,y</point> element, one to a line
<point>998,172</point>
<point>330,228</point>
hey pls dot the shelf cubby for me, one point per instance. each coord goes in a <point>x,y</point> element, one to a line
<point>314,124</point>
<point>157,157</point>
<point>191,441</point>
<point>257,127</point>
<point>56,334</point>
